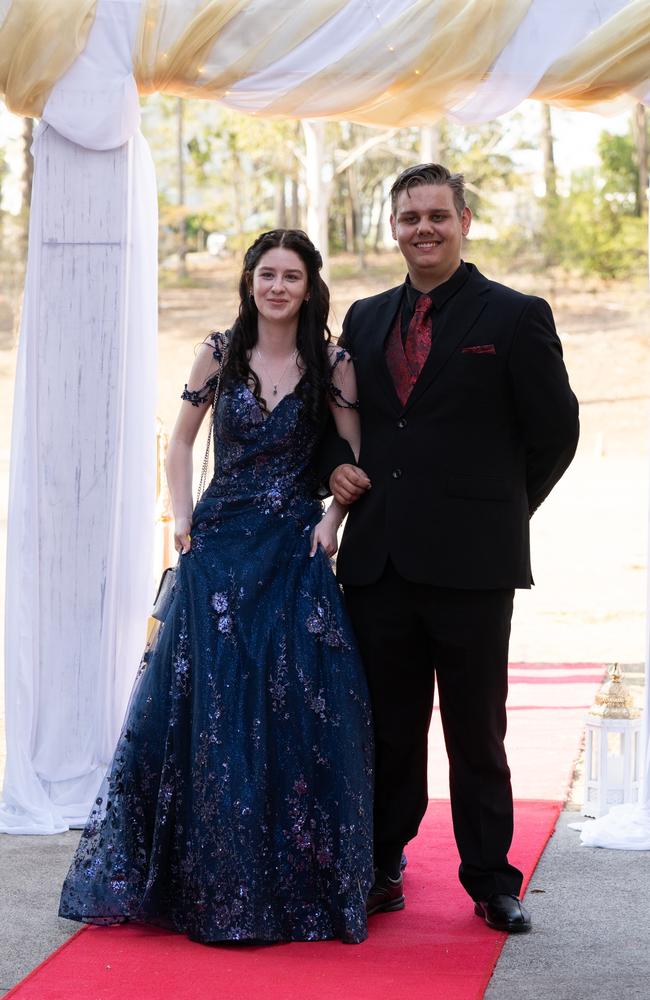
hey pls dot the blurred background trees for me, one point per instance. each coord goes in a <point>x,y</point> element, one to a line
<point>223,177</point>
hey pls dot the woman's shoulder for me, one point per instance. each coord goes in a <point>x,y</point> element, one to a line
<point>218,341</point>
<point>205,375</point>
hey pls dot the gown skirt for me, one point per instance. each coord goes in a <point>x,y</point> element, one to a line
<point>238,805</point>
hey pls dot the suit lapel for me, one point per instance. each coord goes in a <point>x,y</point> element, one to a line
<point>386,312</point>
<point>463,312</point>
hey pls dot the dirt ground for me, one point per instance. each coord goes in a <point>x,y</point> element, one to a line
<point>589,538</point>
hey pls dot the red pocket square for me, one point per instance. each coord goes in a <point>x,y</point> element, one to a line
<point>480,349</point>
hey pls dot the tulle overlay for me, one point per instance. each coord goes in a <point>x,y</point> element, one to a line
<point>239,801</point>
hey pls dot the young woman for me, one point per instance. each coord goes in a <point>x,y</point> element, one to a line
<point>238,804</point>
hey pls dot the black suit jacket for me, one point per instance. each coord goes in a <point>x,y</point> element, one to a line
<point>489,428</point>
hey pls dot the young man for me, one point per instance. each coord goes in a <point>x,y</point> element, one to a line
<point>468,421</point>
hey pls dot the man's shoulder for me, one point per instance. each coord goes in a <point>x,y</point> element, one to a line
<point>501,292</point>
<point>377,301</point>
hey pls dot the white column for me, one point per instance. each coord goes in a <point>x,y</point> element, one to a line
<point>82,483</point>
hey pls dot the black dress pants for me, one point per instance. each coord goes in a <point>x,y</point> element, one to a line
<point>408,634</point>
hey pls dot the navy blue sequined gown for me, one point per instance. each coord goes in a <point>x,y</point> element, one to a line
<point>239,804</point>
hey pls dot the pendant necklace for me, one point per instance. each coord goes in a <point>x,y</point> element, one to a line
<point>275,385</point>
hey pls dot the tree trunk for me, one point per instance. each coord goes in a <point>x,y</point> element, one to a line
<point>28,162</point>
<point>550,173</point>
<point>430,143</point>
<point>349,221</point>
<point>640,132</point>
<point>240,197</point>
<point>180,166</point>
<point>281,202</point>
<point>353,184</point>
<point>294,215</point>
<point>317,189</point>
<point>379,230</point>
<point>26,180</point>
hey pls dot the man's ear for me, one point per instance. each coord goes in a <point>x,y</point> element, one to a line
<point>393,228</point>
<point>466,220</point>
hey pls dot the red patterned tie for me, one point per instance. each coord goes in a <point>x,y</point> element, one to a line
<point>418,338</point>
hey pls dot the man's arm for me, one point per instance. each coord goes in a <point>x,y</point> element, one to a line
<point>546,406</point>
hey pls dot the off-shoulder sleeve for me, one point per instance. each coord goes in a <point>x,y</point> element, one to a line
<point>341,358</point>
<point>199,397</point>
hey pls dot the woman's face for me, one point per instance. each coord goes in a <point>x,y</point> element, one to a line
<point>279,284</point>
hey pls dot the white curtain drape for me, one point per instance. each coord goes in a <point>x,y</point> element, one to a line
<point>82,482</point>
<point>83,460</point>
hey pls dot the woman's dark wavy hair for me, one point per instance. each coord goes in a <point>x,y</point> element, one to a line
<point>313,332</point>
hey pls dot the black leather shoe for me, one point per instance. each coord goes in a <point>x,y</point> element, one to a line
<point>386,895</point>
<point>502,912</point>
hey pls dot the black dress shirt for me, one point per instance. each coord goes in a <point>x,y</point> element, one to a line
<point>440,296</point>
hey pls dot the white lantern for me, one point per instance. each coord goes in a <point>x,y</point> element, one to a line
<point>612,749</point>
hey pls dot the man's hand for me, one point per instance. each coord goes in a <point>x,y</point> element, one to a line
<point>348,483</point>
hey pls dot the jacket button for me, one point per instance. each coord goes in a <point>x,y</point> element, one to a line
<point>401,423</point>
<point>397,473</point>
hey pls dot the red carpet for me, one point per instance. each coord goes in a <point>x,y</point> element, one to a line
<point>434,949</point>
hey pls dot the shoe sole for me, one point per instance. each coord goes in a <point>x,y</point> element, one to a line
<point>508,929</point>
<point>390,907</point>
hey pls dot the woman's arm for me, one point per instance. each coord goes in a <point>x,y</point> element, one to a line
<point>343,401</point>
<point>344,408</point>
<point>197,399</point>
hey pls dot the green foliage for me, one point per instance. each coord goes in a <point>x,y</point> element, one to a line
<point>592,231</point>
<point>233,165</point>
<point>484,154</point>
<point>619,168</point>
<point>243,174</point>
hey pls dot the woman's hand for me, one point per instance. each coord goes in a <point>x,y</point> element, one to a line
<point>324,534</point>
<point>182,540</point>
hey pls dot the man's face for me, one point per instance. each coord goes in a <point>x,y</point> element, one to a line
<point>429,233</point>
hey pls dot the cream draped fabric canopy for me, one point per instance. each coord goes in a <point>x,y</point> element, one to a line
<point>381,63</point>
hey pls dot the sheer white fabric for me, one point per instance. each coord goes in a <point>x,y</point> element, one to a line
<point>340,35</point>
<point>386,62</point>
<point>82,486</point>
<point>96,103</point>
<point>623,828</point>
<point>534,47</point>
